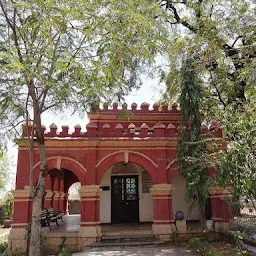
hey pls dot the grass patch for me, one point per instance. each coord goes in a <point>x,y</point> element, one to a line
<point>220,248</point>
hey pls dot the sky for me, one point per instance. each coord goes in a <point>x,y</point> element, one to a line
<point>149,92</point>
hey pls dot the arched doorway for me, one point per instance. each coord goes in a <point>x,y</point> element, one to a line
<point>126,196</point>
<point>58,182</point>
<point>74,198</point>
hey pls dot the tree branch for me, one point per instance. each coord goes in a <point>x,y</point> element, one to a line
<point>218,92</point>
<point>12,26</point>
<point>178,19</point>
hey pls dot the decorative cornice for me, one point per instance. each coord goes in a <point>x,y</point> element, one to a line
<point>121,142</point>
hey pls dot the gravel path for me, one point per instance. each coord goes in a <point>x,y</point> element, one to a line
<point>136,251</point>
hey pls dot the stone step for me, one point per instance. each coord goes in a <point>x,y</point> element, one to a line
<point>130,243</point>
<point>128,240</point>
<point>124,238</point>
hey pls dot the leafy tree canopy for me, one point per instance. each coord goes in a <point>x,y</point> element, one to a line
<point>4,171</point>
<point>220,36</point>
<point>74,52</point>
<point>69,54</point>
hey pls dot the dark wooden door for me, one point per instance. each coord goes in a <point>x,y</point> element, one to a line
<point>124,199</point>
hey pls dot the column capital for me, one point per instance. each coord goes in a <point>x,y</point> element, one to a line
<point>161,190</point>
<point>90,191</point>
<point>56,194</point>
<point>62,195</point>
<point>49,193</point>
<point>21,193</point>
<point>219,192</point>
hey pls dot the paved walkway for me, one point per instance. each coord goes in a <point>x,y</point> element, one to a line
<point>136,251</point>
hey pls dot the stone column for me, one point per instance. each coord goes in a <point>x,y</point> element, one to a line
<point>163,223</point>
<point>48,199</point>
<point>21,218</point>
<point>220,210</point>
<point>89,230</point>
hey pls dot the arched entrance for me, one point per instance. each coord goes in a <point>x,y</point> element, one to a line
<point>58,182</point>
<point>126,196</point>
<point>74,198</point>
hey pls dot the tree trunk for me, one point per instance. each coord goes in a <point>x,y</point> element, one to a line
<point>35,238</point>
<point>39,191</point>
<point>202,218</point>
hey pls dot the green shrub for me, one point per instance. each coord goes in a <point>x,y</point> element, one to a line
<point>65,252</point>
<point>8,205</point>
<point>15,252</point>
<point>198,244</point>
<point>3,244</point>
<point>213,252</point>
<point>247,225</point>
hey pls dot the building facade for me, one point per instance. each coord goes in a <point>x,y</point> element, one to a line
<point>126,164</point>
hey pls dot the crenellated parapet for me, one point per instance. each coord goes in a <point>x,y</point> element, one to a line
<point>159,121</point>
<point>144,108</point>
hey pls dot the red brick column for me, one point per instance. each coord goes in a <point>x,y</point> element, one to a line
<point>162,210</point>
<point>48,199</point>
<point>61,202</point>
<point>55,200</point>
<point>65,204</point>
<point>89,208</point>
<point>21,217</point>
<point>221,212</point>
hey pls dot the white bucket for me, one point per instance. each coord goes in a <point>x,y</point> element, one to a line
<point>209,224</point>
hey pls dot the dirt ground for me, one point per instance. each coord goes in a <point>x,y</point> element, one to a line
<point>137,251</point>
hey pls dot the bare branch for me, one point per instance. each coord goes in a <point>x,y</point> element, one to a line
<point>236,41</point>
<point>218,92</point>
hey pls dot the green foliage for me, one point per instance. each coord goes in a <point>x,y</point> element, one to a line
<point>63,250</point>
<point>8,205</point>
<point>3,243</point>
<point>198,244</point>
<point>203,247</point>
<point>75,52</point>
<point>220,35</point>
<point>245,225</point>
<point>44,250</point>
<point>58,55</point>
<point>4,168</point>
<point>13,252</point>
<point>191,146</point>
<point>4,248</point>
<point>237,167</point>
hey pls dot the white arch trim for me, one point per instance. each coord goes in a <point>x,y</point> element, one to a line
<point>171,163</point>
<point>58,162</point>
<point>125,155</point>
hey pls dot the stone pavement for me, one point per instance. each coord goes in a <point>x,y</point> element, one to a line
<point>136,251</point>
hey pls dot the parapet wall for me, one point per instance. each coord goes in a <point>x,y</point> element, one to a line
<point>141,123</point>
